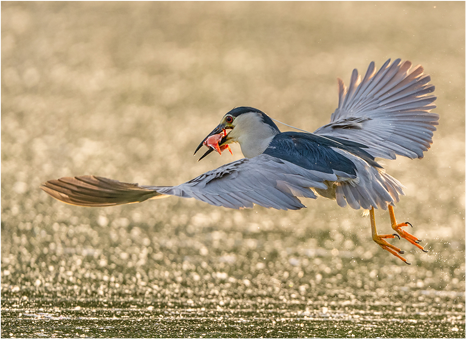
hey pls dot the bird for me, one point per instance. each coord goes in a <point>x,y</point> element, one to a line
<point>385,114</point>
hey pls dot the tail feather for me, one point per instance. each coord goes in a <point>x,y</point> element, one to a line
<point>94,191</point>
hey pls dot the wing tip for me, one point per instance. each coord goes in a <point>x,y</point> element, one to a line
<point>93,191</point>
<point>341,92</point>
<point>57,195</point>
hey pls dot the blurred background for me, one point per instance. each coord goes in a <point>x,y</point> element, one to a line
<point>128,90</point>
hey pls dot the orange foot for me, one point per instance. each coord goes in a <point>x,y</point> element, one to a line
<point>379,239</point>
<point>405,235</point>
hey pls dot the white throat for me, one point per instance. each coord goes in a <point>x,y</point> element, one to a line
<point>253,135</point>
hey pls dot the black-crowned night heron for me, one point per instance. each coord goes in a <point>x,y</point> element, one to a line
<point>384,115</point>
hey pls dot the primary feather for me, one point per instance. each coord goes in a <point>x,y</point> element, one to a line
<point>388,111</point>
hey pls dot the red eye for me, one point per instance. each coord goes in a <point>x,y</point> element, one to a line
<point>229,119</point>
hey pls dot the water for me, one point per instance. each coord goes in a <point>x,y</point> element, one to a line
<point>292,293</point>
<point>127,91</point>
<point>231,315</point>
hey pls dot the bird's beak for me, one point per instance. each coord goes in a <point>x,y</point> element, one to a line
<point>217,130</point>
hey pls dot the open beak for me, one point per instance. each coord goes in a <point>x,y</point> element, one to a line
<point>217,130</point>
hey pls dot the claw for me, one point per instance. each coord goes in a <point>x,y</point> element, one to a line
<point>407,263</point>
<point>393,250</point>
<point>411,238</point>
<point>403,234</point>
<point>380,238</point>
<point>425,251</point>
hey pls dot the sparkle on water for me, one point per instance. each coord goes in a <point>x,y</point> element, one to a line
<point>128,90</point>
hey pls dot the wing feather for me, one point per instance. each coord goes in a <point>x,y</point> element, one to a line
<point>94,191</point>
<point>388,111</point>
<point>263,180</point>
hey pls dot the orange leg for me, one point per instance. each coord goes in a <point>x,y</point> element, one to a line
<point>380,239</point>
<point>398,228</point>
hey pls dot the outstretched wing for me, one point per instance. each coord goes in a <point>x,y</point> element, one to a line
<point>266,180</point>
<point>388,111</point>
<point>263,180</point>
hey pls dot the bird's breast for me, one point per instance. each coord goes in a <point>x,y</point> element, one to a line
<point>253,146</point>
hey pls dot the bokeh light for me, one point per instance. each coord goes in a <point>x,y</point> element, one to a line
<point>128,90</point>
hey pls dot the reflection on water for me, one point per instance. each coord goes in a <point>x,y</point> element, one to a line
<point>294,294</point>
<point>333,314</point>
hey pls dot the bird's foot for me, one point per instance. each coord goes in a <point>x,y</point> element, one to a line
<point>411,238</point>
<point>380,240</point>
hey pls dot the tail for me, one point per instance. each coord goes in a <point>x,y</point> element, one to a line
<point>93,191</point>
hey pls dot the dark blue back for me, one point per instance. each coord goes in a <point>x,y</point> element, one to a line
<point>313,152</point>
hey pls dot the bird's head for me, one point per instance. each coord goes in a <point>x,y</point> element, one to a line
<point>250,127</point>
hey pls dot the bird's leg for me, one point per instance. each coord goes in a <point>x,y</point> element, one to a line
<point>380,239</point>
<point>398,228</point>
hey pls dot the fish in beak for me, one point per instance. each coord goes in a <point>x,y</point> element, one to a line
<point>215,141</point>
